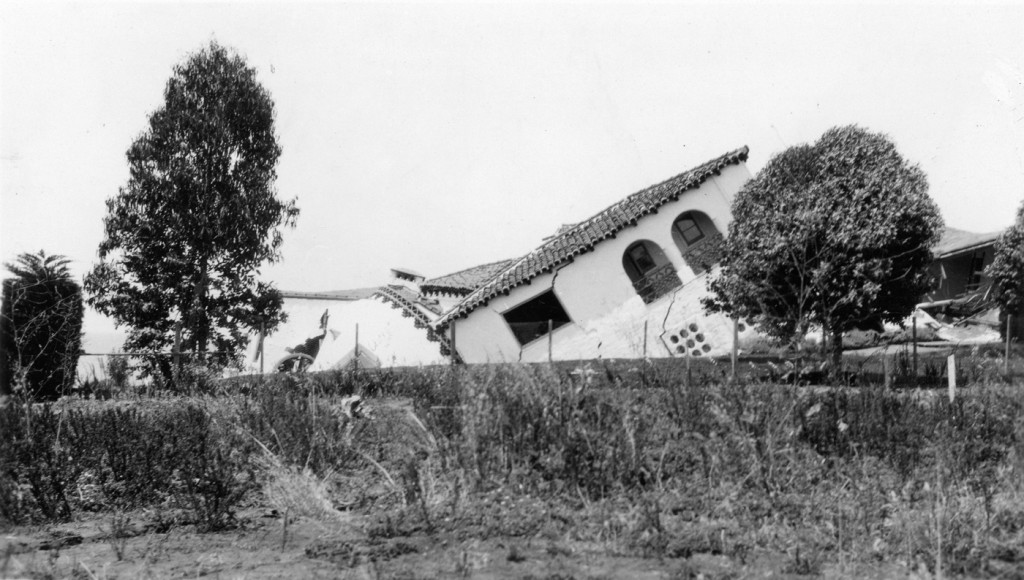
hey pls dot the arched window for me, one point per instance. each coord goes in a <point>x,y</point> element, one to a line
<point>688,229</point>
<point>649,270</point>
<point>698,240</point>
<point>639,260</point>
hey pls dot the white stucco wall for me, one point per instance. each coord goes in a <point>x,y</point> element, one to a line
<point>393,338</point>
<point>484,336</point>
<point>608,316</point>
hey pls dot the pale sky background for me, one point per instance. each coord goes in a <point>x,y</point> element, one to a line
<point>438,137</point>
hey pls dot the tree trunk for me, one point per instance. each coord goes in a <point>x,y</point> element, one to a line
<point>202,320</point>
<point>197,319</point>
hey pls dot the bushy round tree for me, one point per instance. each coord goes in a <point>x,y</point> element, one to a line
<point>185,238</point>
<point>1007,268</point>
<point>40,327</point>
<point>836,234</point>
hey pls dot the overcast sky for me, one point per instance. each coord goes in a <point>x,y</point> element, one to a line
<point>438,137</point>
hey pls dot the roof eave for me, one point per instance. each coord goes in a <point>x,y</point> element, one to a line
<point>966,249</point>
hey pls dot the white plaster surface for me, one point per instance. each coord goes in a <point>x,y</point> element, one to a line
<point>391,337</point>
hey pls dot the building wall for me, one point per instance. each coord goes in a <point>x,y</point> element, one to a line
<point>953,273</point>
<point>608,316</point>
<point>382,329</point>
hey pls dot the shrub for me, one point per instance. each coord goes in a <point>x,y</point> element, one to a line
<point>130,453</point>
<point>39,456</point>
<point>530,424</point>
<point>970,434</point>
<point>133,458</point>
<point>300,429</point>
<point>118,372</point>
<point>1007,267</point>
<point>212,469</point>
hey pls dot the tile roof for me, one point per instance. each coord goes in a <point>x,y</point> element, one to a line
<point>955,241</point>
<point>465,281</point>
<point>582,237</point>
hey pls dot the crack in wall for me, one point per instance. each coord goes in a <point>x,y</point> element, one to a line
<point>664,322</point>
<point>554,278</point>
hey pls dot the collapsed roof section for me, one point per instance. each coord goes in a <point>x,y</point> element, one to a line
<point>572,241</point>
<point>354,294</point>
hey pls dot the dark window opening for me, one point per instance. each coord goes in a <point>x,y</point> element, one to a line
<point>688,229</point>
<point>698,240</point>
<point>641,258</point>
<point>650,272</point>
<point>976,272</point>
<point>529,321</point>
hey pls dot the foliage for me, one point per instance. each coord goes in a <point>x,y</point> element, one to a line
<point>213,471</point>
<point>1007,268</point>
<point>38,455</point>
<point>835,234</point>
<point>54,461</point>
<point>117,372</point>
<point>298,429</point>
<point>40,326</point>
<point>186,236</point>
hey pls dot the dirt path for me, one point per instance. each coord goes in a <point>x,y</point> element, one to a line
<point>262,548</point>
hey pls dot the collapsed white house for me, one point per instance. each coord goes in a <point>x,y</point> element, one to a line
<point>624,283</point>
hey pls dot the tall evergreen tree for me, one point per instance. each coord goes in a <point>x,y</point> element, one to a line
<point>40,327</point>
<point>186,236</point>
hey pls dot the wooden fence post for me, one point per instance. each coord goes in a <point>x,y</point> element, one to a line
<point>452,330</point>
<point>886,370</point>
<point>951,364</point>
<point>1006,360</point>
<point>645,339</point>
<point>551,327</point>
<point>263,335</point>
<point>913,340</point>
<point>735,346</point>
<point>688,375</point>
<point>177,346</point>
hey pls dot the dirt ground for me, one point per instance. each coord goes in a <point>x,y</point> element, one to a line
<point>262,546</point>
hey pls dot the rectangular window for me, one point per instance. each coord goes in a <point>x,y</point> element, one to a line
<point>689,230</point>
<point>529,320</point>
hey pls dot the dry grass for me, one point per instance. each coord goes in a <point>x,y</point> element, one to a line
<point>296,491</point>
<point>630,463</point>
